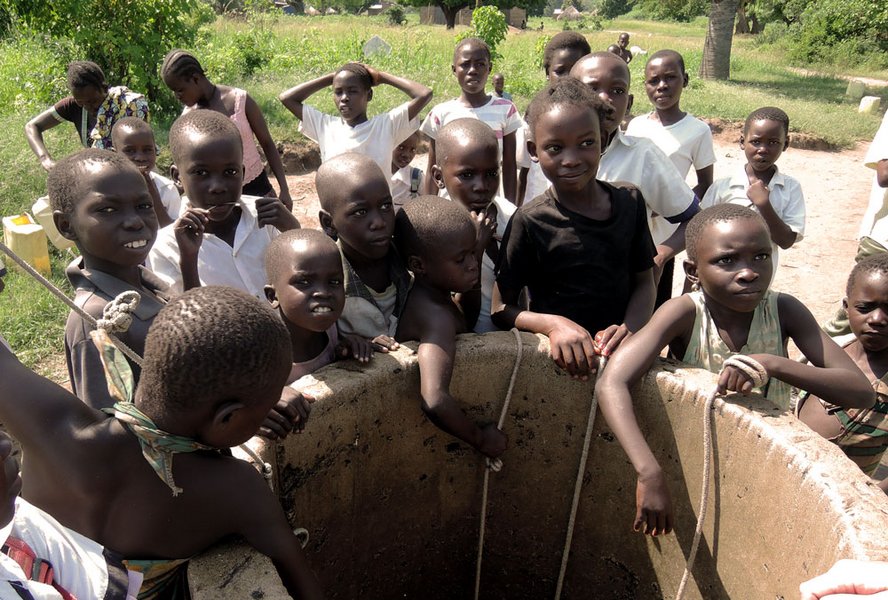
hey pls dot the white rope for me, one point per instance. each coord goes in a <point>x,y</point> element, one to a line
<point>578,485</point>
<point>495,464</point>
<point>759,376</point>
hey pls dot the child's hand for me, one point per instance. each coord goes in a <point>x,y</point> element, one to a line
<point>572,348</point>
<point>356,347</point>
<point>759,193</point>
<point>849,579</point>
<point>608,340</point>
<point>732,379</point>
<point>486,230</point>
<point>271,211</point>
<point>653,506</point>
<point>493,441</point>
<point>189,229</point>
<point>384,343</point>
<point>285,198</point>
<point>374,74</point>
<point>288,415</point>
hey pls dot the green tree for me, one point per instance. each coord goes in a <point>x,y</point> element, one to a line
<point>489,24</point>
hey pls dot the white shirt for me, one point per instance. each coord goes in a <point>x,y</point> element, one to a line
<point>499,114</point>
<point>241,266</point>
<point>875,220</point>
<point>536,181</point>
<point>377,137</point>
<point>169,195</point>
<point>639,162</point>
<point>504,212</point>
<point>687,142</point>
<point>400,185</point>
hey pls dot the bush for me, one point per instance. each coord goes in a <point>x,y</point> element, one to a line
<point>489,24</point>
<point>32,71</point>
<point>394,14</point>
<point>610,9</point>
<point>669,10</point>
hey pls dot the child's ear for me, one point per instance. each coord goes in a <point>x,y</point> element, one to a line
<point>271,296</point>
<point>174,175</point>
<point>414,263</point>
<point>326,221</point>
<point>690,268</point>
<point>438,176</point>
<point>845,304</point>
<point>685,81</point>
<point>63,224</point>
<point>369,94</point>
<point>532,150</point>
<point>226,413</point>
<point>786,143</point>
<point>742,141</point>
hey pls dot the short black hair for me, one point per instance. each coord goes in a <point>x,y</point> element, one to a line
<point>473,42</point>
<point>876,264</point>
<point>666,53</point>
<point>83,73</point>
<point>279,248</point>
<point>604,54</point>
<point>455,135</point>
<point>427,224</point>
<point>67,180</point>
<point>566,40</point>
<point>767,113</point>
<point>208,344</point>
<point>569,91</point>
<point>205,122</point>
<point>180,63</point>
<point>720,213</point>
<point>133,124</point>
<point>357,69</point>
<point>339,170</point>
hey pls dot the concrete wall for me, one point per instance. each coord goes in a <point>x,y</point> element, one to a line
<point>392,503</point>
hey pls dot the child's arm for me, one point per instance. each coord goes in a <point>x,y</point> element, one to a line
<point>704,180</point>
<point>260,130</point>
<point>428,183</point>
<point>781,234</point>
<point>163,217</point>
<point>638,312</point>
<point>34,133</point>
<point>882,173</point>
<point>509,168</point>
<point>420,95</point>
<point>294,98</point>
<point>272,211</point>
<point>189,230</point>
<point>831,374</point>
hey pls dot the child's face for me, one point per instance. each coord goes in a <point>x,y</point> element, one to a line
<point>471,175</point>
<point>363,218</point>
<point>623,40</point>
<point>867,306</point>
<point>309,286</point>
<point>351,95</point>
<point>405,152</point>
<point>114,222</point>
<point>212,173</point>
<point>471,66</point>
<point>763,142</point>
<point>138,146</point>
<point>455,267</point>
<point>733,265</point>
<point>562,62</point>
<point>89,97</point>
<point>186,89</point>
<point>567,143</point>
<point>609,78</point>
<point>498,83</point>
<point>664,82</point>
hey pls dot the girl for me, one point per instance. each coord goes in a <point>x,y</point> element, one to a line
<point>731,312</point>
<point>183,74</point>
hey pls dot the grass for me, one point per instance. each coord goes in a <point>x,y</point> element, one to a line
<point>281,52</point>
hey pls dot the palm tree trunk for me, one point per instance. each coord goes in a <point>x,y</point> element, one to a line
<point>717,47</point>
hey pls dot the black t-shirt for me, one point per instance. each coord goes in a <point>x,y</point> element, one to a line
<point>574,266</point>
<point>82,119</point>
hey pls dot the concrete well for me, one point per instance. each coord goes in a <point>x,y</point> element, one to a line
<point>392,503</point>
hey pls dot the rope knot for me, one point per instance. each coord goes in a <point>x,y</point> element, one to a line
<point>749,367</point>
<point>117,314</point>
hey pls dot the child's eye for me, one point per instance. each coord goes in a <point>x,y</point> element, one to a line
<point>146,206</point>
<point>618,91</point>
<point>199,172</point>
<point>493,173</point>
<point>106,209</point>
<point>360,212</point>
<point>336,281</point>
<point>386,206</point>
<point>589,143</point>
<point>553,149</point>
<point>465,175</point>
<point>762,256</point>
<point>231,172</point>
<point>724,260</point>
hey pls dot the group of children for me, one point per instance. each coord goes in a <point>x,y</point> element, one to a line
<point>239,301</point>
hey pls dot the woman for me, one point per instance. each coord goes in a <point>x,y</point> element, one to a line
<point>92,107</point>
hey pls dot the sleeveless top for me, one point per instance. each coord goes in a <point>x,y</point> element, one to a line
<point>709,351</point>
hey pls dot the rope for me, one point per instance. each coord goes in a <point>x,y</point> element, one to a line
<point>578,486</point>
<point>495,464</point>
<point>759,376</point>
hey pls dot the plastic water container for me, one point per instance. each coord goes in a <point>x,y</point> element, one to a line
<point>27,239</point>
<point>42,212</point>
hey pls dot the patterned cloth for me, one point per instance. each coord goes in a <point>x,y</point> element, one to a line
<point>120,102</point>
<point>165,579</point>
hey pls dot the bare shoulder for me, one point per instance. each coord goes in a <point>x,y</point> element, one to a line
<point>425,318</point>
<point>795,317</point>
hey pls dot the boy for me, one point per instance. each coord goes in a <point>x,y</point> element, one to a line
<point>438,239</point>
<point>214,365</point>
<point>582,250</point>
<point>356,210</point>
<point>467,168</point>
<point>134,138</point>
<point>406,181</point>
<point>623,47</point>
<point>637,161</point>
<point>471,66</point>
<point>498,82</point>
<point>100,201</point>
<point>221,236</point>
<point>759,185</point>
<point>351,130</point>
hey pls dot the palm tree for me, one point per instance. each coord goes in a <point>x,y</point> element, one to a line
<point>717,47</point>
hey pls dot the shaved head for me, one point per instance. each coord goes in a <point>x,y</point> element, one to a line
<point>339,177</point>
<point>593,60</point>
<point>461,134</point>
<point>281,250</point>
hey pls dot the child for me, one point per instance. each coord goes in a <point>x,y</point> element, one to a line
<point>759,185</point>
<point>582,249</point>
<point>862,434</point>
<point>214,365</point>
<point>352,131</point>
<point>498,83</point>
<point>406,181</point>
<point>637,161</point>
<point>468,161</point>
<point>438,239</point>
<point>471,66</point>
<point>356,210</point>
<point>183,74</point>
<point>623,46</point>
<point>732,312</point>
<point>304,269</point>
<point>134,138</point>
<point>101,202</point>
<point>221,236</point>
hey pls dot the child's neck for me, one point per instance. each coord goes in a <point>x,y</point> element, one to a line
<point>306,344</point>
<point>475,100</point>
<point>208,93</point>
<point>227,229</point>
<point>131,275</point>
<point>435,294</point>
<point>733,327</point>
<point>395,168</point>
<point>671,115</point>
<point>873,364</point>
<point>763,176</point>
<point>593,202</point>
<point>373,272</point>
<point>361,118</point>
